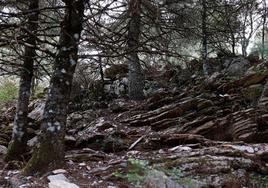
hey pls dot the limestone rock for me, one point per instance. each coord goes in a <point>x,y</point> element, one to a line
<point>236,66</point>
<point>59,171</point>
<point>188,127</point>
<point>228,65</point>
<point>101,134</point>
<point>263,100</point>
<point>158,179</point>
<point>79,120</point>
<point>221,161</point>
<point>204,104</point>
<point>57,177</point>
<point>3,150</point>
<point>37,112</point>
<point>254,78</point>
<point>169,139</point>
<point>253,92</point>
<point>61,184</point>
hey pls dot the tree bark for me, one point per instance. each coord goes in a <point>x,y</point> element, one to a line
<point>136,78</point>
<point>233,43</point>
<point>263,29</point>
<point>49,154</point>
<point>18,144</point>
<point>204,37</point>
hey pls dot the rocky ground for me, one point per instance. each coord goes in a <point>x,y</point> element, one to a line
<point>206,132</point>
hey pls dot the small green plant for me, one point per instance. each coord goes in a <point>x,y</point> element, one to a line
<point>8,91</point>
<point>174,173</point>
<point>259,180</point>
<point>136,171</point>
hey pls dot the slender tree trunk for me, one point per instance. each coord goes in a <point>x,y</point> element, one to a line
<point>204,37</point>
<point>233,44</point>
<point>136,78</point>
<point>18,144</point>
<point>244,43</point>
<point>263,29</point>
<point>244,47</point>
<point>34,82</point>
<point>101,70</point>
<point>102,77</point>
<point>50,154</point>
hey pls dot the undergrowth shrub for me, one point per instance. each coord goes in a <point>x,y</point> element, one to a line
<point>8,91</point>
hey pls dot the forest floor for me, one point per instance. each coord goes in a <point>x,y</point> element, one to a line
<point>205,133</point>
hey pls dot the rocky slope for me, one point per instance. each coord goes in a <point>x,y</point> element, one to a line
<point>207,132</point>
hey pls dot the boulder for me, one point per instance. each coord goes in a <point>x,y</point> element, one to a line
<point>236,66</point>
<point>57,177</point>
<point>38,110</point>
<point>228,65</point>
<point>61,184</point>
<point>219,165</point>
<point>254,78</point>
<point>60,181</point>
<point>3,150</point>
<point>80,119</point>
<point>101,134</point>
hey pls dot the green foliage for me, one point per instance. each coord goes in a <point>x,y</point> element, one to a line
<point>8,91</point>
<point>259,180</point>
<point>174,173</point>
<point>177,175</point>
<point>258,49</point>
<point>136,172</point>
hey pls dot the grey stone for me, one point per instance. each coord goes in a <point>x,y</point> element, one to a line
<point>3,150</point>
<point>57,177</point>
<point>158,179</point>
<point>61,184</point>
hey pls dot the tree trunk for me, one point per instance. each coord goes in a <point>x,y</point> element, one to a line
<point>19,140</point>
<point>263,29</point>
<point>243,42</point>
<point>102,84</point>
<point>204,37</point>
<point>49,154</point>
<point>233,43</point>
<point>136,78</point>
